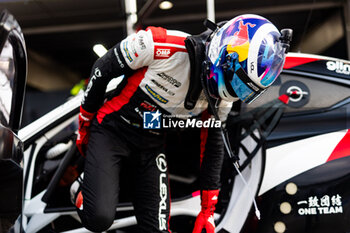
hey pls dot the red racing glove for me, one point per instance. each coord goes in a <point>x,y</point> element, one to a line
<point>85,119</point>
<point>205,219</point>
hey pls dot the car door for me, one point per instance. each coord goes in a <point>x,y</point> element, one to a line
<point>13,71</point>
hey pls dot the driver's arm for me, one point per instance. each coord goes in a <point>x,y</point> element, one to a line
<point>134,52</point>
<point>212,155</point>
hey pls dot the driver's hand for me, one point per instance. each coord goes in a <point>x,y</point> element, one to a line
<point>205,219</point>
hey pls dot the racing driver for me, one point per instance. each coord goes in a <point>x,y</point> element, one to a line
<point>169,73</point>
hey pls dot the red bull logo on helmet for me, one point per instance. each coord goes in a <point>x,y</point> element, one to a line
<point>241,32</point>
<point>240,41</point>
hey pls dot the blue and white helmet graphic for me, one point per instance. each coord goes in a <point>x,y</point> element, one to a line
<point>245,57</point>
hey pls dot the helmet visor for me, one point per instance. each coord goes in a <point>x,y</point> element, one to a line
<point>238,82</point>
<point>270,59</point>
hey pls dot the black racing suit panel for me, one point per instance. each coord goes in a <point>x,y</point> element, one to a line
<point>212,160</point>
<point>109,66</point>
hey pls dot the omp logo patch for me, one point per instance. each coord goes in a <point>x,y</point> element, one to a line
<point>162,53</point>
<point>156,95</point>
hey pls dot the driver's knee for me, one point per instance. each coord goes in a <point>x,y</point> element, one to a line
<point>98,221</point>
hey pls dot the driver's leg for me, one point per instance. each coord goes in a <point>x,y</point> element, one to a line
<point>100,188</point>
<point>152,193</point>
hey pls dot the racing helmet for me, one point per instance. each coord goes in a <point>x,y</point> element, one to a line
<point>244,57</point>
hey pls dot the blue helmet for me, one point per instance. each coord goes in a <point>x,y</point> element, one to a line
<point>245,57</point>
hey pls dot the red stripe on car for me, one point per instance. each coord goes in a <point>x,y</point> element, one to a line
<point>342,149</point>
<point>297,61</point>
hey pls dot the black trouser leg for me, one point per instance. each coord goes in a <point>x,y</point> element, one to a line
<point>151,195</point>
<point>100,187</point>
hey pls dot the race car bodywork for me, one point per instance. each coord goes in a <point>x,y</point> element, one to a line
<point>305,183</point>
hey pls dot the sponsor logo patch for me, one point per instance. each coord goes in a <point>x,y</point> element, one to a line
<point>170,79</point>
<point>338,67</point>
<point>156,95</point>
<point>162,53</point>
<point>127,53</point>
<point>163,191</point>
<point>118,58</point>
<point>141,42</point>
<point>98,73</point>
<point>161,163</point>
<point>132,46</point>
<point>162,87</point>
<point>315,205</point>
<point>252,67</point>
<point>148,106</point>
<point>89,86</point>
